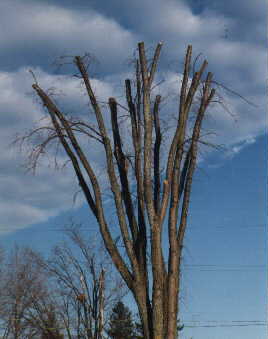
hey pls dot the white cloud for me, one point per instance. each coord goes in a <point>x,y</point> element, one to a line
<point>27,199</point>
<point>44,29</point>
<point>235,59</point>
<point>241,58</point>
<point>177,19</point>
<point>234,150</point>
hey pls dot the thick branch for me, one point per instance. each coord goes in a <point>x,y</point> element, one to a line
<point>147,136</point>
<point>156,248</point>
<point>52,109</point>
<point>176,148</point>
<point>122,163</point>
<point>109,243</point>
<point>158,138</point>
<point>154,63</point>
<point>206,99</point>
<point>141,242</point>
<point>110,166</point>
<point>178,179</point>
<point>137,142</point>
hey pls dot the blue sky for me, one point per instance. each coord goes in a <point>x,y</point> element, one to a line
<point>224,274</point>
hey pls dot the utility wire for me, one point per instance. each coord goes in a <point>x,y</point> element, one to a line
<point>224,325</point>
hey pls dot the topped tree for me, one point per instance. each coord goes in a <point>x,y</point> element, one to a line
<point>149,187</point>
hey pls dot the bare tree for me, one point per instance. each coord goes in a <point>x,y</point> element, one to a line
<point>66,295</point>
<point>160,198</point>
<point>43,319</point>
<point>23,283</point>
<point>85,286</point>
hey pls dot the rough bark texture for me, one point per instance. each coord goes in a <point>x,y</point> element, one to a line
<point>158,200</point>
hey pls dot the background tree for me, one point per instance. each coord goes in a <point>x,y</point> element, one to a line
<point>85,284</point>
<point>161,197</point>
<point>67,295</point>
<point>23,284</point>
<point>121,325</point>
<point>44,317</point>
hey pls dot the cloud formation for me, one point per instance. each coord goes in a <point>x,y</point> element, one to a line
<point>43,32</point>
<point>27,199</point>
<point>229,35</point>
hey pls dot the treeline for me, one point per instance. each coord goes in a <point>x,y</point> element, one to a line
<point>74,293</point>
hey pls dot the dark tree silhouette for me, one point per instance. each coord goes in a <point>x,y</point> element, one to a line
<point>121,325</point>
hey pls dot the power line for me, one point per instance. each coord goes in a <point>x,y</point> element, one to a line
<point>225,267</point>
<point>225,325</point>
<point>221,227</point>
<point>222,323</point>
